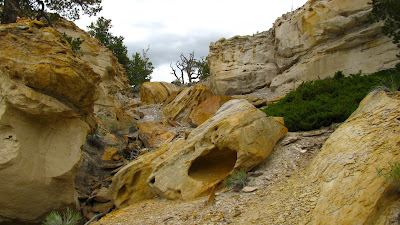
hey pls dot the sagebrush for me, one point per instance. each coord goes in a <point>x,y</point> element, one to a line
<point>68,218</point>
<point>320,103</point>
<point>237,180</point>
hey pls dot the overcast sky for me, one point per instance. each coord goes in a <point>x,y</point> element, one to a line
<point>172,27</point>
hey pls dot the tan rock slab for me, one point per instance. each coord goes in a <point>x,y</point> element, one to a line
<point>181,103</point>
<point>156,92</point>
<point>350,190</point>
<point>155,135</point>
<point>206,109</point>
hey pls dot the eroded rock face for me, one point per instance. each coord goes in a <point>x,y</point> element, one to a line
<point>156,92</point>
<point>351,192</point>
<point>113,76</point>
<point>206,109</point>
<point>181,103</point>
<point>237,136</point>
<point>46,108</point>
<point>313,42</point>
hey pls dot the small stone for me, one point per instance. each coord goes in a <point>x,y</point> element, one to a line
<point>102,207</point>
<point>248,189</point>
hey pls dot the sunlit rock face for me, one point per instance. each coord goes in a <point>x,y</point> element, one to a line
<point>237,136</point>
<point>311,43</point>
<point>46,111</point>
<point>350,189</point>
<point>102,60</point>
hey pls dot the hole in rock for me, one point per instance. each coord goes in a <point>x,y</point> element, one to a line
<point>135,178</point>
<point>153,181</point>
<point>215,165</point>
<point>122,191</point>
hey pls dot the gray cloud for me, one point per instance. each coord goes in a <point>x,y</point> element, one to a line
<point>166,48</point>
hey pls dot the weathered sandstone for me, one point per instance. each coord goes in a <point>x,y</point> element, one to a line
<point>310,43</point>
<point>237,136</point>
<point>154,135</point>
<point>46,107</point>
<point>181,103</point>
<point>113,76</point>
<point>206,109</point>
<point>350,190</point>
<point>156,92</point>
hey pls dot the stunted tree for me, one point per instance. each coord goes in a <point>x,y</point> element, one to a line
<point>101,31</point>
<point>139,68</point>
<point>190,67</point>
<point>70,9</point>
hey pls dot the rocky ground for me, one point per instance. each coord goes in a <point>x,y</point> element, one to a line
<point>269,198</point>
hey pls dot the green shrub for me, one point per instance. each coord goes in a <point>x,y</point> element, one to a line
<point>320,103</point>
<point>74,42</point>
<point>69,218</point>
<point>237,180</point>
<point>391,175</point>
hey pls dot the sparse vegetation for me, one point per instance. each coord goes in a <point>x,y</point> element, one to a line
<point>74,42</point>
<point>69,218</point>
<point>392,175</point>
<point>237,180</point>
<point>320,103</point>
<point>191,68</point>
<point>138,68</point>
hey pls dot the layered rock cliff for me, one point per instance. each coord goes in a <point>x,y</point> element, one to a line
<point>311,43</point>
<point>114,80</point>
<point>46,110</point>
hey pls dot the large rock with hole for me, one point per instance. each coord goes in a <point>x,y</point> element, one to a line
<point>46,106</point>
<point>310,43</point>
<point>156,92</point>
<point>237,136</point>
<point>181,103</point>
<point>350,190</point>
<point>129,185</point>
<point>103,61</point>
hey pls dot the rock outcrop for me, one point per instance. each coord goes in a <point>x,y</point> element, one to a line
<point>101,59</point>
<point>156,92</point>
<point>350,190</point>
<point>46,107</point>
<point>313,42</point>
<point>237,136</point>
<point>206,109</point>
<point>180,104</point>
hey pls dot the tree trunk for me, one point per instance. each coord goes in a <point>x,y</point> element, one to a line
<point>10,11</point>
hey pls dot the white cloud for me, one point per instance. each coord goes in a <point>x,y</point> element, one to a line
<point>175,26</point>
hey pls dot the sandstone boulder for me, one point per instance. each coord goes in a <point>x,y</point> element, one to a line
<point>310,43</point>
<point>350,190</point>
<point>237,136</point>
<point>46,107</point>
<point>129,185</point>
<point>181,103</point>
<point>156,92</point>
<point>206,109</point>
<point>155,135</point>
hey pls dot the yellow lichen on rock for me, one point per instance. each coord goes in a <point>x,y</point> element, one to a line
<point>46,111</point>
